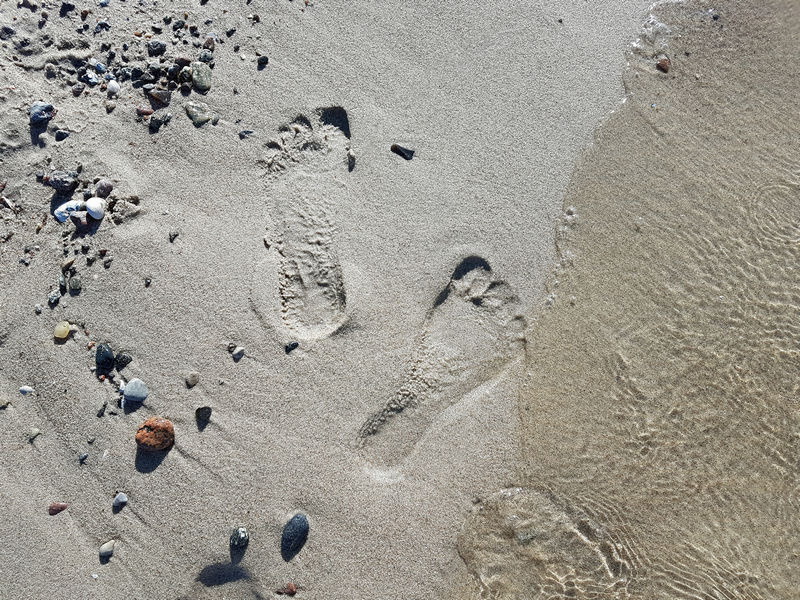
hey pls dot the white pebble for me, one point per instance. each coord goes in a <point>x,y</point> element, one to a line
<point>107,549</point>
<point>113,87</point>
<point>62,212</point>
<point>25,390</point>
<point>96,208</point>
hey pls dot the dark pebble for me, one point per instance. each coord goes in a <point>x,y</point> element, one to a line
<point>122,360</point>
<point>230,31</point>
<point>294,537</point>
<point>263,61</point>
<point>6,32</point>
<point>290,346</point>
<point>61,135</point>
<point>203,414</point>
<point>41,113</point>
<point>82,458</point>
<point>406,153</point>
<point>173,236</point>
<point>64,182</point>
<point>245,133</point>
<point>104,358</point>
<point>156,47</point>
<point>78,88</point>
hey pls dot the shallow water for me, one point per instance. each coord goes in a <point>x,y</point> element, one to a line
<point>660,410</point>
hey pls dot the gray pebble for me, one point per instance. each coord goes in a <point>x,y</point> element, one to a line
<point>192,379</point>
<point>201,76</point>
<point>103,188</point>
<point>238,353</point>
<point>294,536</point>
<point>120,500</point>
<point>198,112</point>
<point>41,113</point>
<point>107,549</point>
<point>135,391</point>
<point>82,458</point>
<point>75,285</point>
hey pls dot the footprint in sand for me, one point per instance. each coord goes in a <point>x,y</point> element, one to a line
<point>473,329</point>
<point>306,167</point>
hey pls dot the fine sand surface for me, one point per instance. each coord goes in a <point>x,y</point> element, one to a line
<point>514,377</point>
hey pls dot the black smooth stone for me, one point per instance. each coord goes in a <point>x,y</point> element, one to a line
<point>294,537</point>
<point>203,414</point>
<point>104,358</point>
<point>406,153</point>
<point>290,346</point>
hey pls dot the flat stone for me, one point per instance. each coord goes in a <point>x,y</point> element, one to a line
<point>135,391</point>
<point>199,112</point>
<point>25,390</point>
<point>201,76</point>
<point>294,536</point>
<point>63,182</point>
<point>155,434</point>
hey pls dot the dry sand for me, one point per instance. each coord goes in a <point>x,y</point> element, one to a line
<point>429,373</point>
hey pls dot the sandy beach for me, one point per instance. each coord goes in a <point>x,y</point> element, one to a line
<point>439,301</point>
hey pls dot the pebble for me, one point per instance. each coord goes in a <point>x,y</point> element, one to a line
<point>201,76</point>
<point>61,135</point>
<point>203,414</point>
<point>41,113</point>
<point>25,390</point>
<point>107,549</point>
<point>664,64</point>
<point>406,153</point>
<point>294,537</point>
<point>198,112</point>
<point>63,211</point>
<point>61,331</point>
<point>104,358</point>
<point>96,208</point>
<point>34,433</point>
<point>122,360</point>
<point>135,391</point>
<point>56,507</point>
<point>238,353</point>
<point>156,47</point>
<point>54,297</point>
<point>62,181</point>
<point>163,97</point>
<point>156,433</point>
<point>245,133</point>
<point>192,379</point>
<point>239,537</point>
<point>263,61</point>
<point>103,188</point>
<point>113,88</point>
<point>290,346</point>
<point>75,285</point>
<point>38,309</point>
<point>120,500</point>
<point>82,458</point>
<point>78,88</point>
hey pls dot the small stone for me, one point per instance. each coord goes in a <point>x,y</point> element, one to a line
<point>156,433</point>
<point>185,74</point>
<point>122,360</point>
<point>96,208</point>
<point>135,391</point>
<point>64,182</point>
<point>156,47</point>
<point>263,61</point>
<point>238,353</point>
<point>290,346</point>
<point>104,359</point>
<point>209,43</point>
<point>294,537</point>
<point>56,507</point>
<point>107,549</point>
<point>173,235</point>
<point>38,309</point>
<point>103,188</point>
<point>239,537</point>
<point>120,500</point>
<point>245,133</point>
<point>25,390</point>
<point>406,153</point>
<point>75,285</point>
<point>61,135</point>
<point>54,297</point>
<point>203,414</point>
<point>113,88</point>
<point>198,112</point>
<point>192,379</point>
<point>110,106</point>
<point>41,113</point>
<point>201,76</point>
<point>162,97</point>
<point>82,458</point>
<point>664,64</point>
<point>206,56</point>
<point>61,331</point>
<point>34,433</point>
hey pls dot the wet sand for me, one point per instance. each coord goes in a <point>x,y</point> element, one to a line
<point>659,408</point>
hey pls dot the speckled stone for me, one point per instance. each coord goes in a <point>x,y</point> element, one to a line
<point>201,76</point>
<point>156,433</point>
<point>239,537</point>
<point>294,537</point>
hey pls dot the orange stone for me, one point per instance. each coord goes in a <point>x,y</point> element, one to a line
<point>157,433</point>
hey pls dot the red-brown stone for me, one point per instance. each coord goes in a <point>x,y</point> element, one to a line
<point>156,433</point>
<point>56,507</point>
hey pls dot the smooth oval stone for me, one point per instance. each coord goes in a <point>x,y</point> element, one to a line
<point>239,537</point>
<point>25,390</point>
<point>113,87</point>
<point>104,358</point>
<point>96,208</point>
<point>61,331</point>
<point>294,537</point>
<point>135,391</point>
<point>120,500</point>
<point>201,76</point>
<point>107,549</point>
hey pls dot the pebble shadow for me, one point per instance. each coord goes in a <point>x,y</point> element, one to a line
<point>147,462</point>
<point>237,554</point>
<point>221,573</point>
